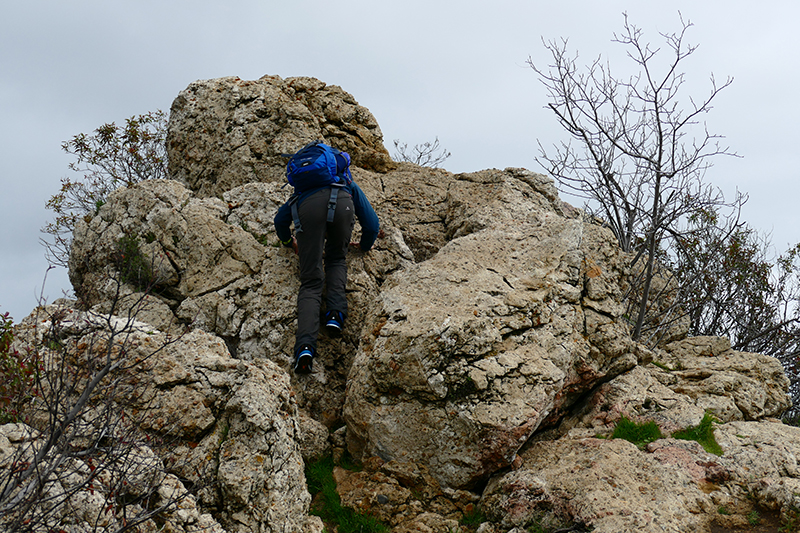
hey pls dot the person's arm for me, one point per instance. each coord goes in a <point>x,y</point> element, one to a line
<point>370,225</point>
<point>283,221</point>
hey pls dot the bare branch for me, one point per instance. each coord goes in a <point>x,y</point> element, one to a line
<point>639,157</point>
<point>427,154</point>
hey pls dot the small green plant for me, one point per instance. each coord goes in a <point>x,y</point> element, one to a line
<point>223,434</point>
<point>473,518</point>
<point>535,527</point>
<point>133,266</point>
<point>662,366</point>
<point>263,240</point>
<point>53,344</point>
<point>639,434</point>
<point>547,523</point>
<point>702,433</point>
<point>790,521</point>
<point>349,463</point>
<point>723,510</point>
<point>753,518</point>
<point>319,477</point>
<point>792,420</point>
<point>18,374</point>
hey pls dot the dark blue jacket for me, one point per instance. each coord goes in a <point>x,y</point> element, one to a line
<point>370,225</point>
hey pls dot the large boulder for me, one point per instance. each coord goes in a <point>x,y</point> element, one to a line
<point>687,379</point>
<point>226,132</point>
<point>477,347</point>
<point>184,243</point>
<point>672,485</point>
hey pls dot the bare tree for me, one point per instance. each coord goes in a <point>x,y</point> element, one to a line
<point>86,406</point>
<point>427,154</point>
<point>640,150</point>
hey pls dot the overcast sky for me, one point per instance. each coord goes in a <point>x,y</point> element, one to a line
<point>426,69</point>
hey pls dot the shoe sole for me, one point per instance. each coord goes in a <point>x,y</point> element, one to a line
<point>303,364</point>
<point>333,330</point>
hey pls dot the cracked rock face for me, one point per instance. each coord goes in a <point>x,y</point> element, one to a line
<point>505,326</point>
<point>489,311</point>
<point>486,311</point>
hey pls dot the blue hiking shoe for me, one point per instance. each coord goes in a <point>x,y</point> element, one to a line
<point>303,360</point>
<point>334,323</point>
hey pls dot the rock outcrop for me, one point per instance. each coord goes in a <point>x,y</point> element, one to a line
<point>510,322</point>
<point>228,132</point>
<point>672,486</point>
<point>484,358</point>
<point>505,326</point>
<point>232,426</point>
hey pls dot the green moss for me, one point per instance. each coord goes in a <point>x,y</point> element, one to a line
<point>702,433</point>
<point>319,477</point>
<point>639,434</point>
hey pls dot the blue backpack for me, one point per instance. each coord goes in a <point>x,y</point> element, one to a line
<point>318,165</point>
<point>314,166</point>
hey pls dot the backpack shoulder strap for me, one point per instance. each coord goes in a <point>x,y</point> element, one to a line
<point>331,207</point>
<point>332,203</point>
<point>295,214</point>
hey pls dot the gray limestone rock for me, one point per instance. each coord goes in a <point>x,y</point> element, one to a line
<point>232,426</point>
<point>487,320</point>
<point>227,132</point>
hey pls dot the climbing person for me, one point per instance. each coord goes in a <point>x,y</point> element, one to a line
<point>322,209</point>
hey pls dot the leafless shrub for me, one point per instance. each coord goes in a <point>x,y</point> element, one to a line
<point>427,154</point>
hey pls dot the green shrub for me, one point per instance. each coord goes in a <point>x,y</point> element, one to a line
<point>319,477</point>
<point>792,419</point>
<point>702,433</point>
<point>639,434</point>
<point>109,158</point>
<point>133,266</point>
<point>18,374</point>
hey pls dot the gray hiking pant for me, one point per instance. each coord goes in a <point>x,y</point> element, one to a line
<point>318,270</point>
